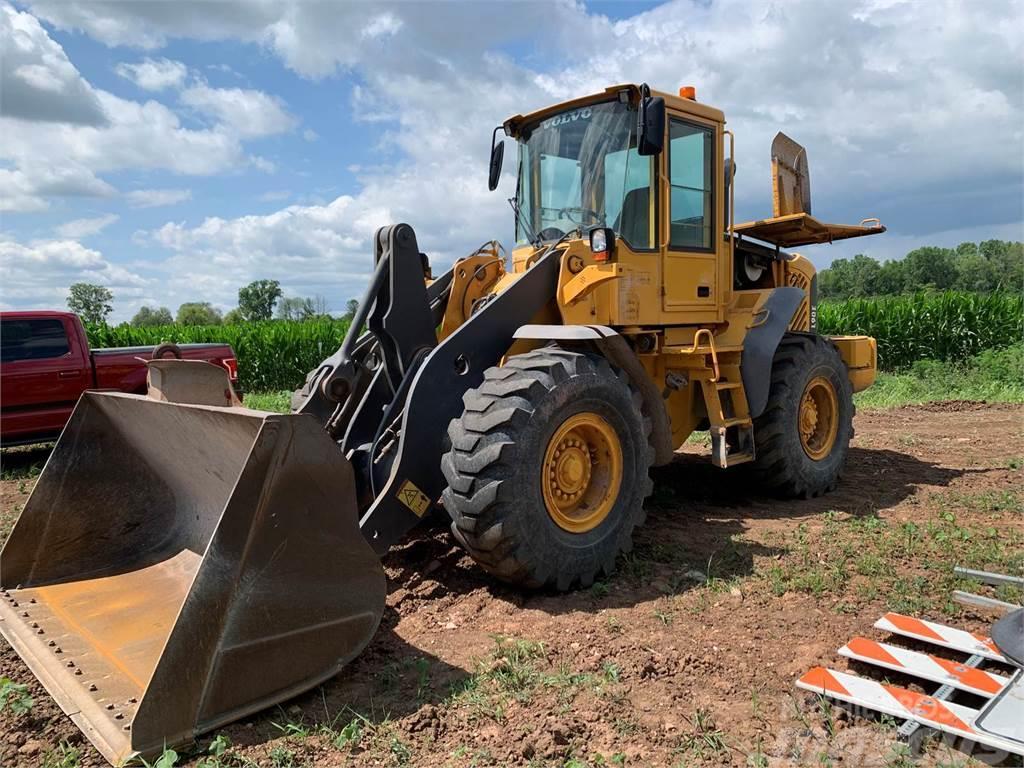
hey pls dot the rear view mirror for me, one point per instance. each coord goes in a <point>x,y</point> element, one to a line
<point>497,156</point>
<point>651,137</point>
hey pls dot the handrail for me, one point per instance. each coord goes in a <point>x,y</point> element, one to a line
<point>711,344</point>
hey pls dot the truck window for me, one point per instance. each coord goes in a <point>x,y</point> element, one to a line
<point>691,152</point>
<point>32,339</point>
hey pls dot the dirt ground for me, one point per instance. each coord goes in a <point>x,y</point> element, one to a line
<point>687,656</point>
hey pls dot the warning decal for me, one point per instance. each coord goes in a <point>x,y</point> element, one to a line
<point>413,498</point>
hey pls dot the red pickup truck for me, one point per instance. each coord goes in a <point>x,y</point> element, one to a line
<point>46,363</point>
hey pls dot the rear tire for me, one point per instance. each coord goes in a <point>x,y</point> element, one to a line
<point>501,469</point>
<point>803,436</point>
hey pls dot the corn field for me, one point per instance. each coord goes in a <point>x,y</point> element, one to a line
<point>949,326</point>
<point>272,355</point>
<point>277,354</point>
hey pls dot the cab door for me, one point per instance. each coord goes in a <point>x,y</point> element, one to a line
<point>691,268</point>
<point>43,373</point>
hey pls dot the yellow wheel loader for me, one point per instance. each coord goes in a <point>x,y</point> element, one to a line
<point>185,561</point>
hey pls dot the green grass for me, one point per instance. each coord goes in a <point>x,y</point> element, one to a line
<point>908,565</point>
<point>277,401</point>
<point>995,375</point>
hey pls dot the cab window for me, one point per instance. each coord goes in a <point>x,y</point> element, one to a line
<point>691,158</point>
<point>32,340</point>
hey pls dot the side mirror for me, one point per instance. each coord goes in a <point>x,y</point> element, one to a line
<point>497,156</point>
<point>652,124</point>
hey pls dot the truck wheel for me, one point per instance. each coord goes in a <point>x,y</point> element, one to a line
<point>803,436</point>
<point>161,350</point>
<point>548,469</point>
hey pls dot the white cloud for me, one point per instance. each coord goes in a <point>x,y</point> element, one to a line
<point>154,74</point>
<point>247,113</point>
<point>155,198</point>
<point>37,81</point>
<point>81,228</point>
<point>310,135</point>
<point>384,25</point>
<point>28,187</point>
<point>890,118</point>
<point>38,274</point>
<point>262,164</point>
<point>78,133</point>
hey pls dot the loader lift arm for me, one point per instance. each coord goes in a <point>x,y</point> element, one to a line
<point>396,380</point>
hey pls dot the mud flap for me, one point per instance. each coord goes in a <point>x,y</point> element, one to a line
<point>770,322</point>
<point>178,567</point>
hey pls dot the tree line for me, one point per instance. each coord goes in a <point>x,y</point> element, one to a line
<point>983,267</point>
<point>259,300</point>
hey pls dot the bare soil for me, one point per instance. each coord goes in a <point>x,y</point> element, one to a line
<point>687,656</point>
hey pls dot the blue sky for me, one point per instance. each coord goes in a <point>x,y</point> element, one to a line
<point>175,151</point>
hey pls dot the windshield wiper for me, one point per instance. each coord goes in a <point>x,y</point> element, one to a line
<point>522,221</point>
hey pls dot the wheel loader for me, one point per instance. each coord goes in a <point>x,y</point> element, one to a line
<point>185,561</point>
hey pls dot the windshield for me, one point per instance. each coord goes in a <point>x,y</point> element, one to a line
<point>580,169</point>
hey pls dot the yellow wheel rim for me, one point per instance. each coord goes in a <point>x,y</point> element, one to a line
<point>582,472</point>
<point>818,418</point>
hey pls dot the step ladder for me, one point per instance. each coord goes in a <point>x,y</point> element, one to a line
<point>726,403</point>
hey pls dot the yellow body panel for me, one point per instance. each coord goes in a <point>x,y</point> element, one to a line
<point>684,303</point>
<point>860,353</point>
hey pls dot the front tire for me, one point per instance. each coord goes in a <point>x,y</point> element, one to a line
<point>803,436</point>
<point>548,469</point>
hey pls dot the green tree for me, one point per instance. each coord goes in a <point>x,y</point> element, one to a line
<point>864,276</point>
<point>974,272</point>
<point>929,267</point>
<point>892,278</point>
<point>90,302</point>
<point>198,313</point>
<point>256,300</point>
<point>835,281</point>
<point>296,308</point>
<point>1006,260</point>
<point>234,317</point>
<point>147,316</point>
<point>351,307</point>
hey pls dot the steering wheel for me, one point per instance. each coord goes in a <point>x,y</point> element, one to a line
<point>550,233</point>
<point>595,215</point>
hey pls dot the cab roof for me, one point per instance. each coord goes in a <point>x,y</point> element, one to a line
<point>514,124</point>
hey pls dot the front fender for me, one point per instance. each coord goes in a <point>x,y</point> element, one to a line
<point>768,325</point>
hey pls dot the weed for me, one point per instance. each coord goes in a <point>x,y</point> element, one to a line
<point>350,735</point>
<point>665,617</point>
<point>400,751</point>
<point>422,677</point>
<point>282,757</point>
<point>513,664</point>
<point>706,739</point>
<point>625,727</point>
<point>757,758</point>
<point>168,759</point>
<point>292,730</point>
<point>64,756</point>
<point>599,589</point>
<point>899,756</point>
<point>14,696</point>
<point>826,712</point>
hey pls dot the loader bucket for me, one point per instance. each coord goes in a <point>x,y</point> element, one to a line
<point>181,566</point>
